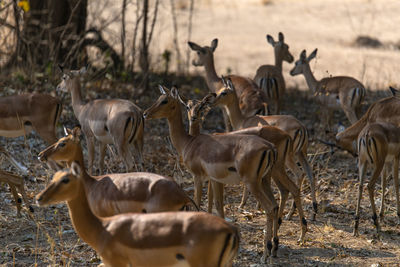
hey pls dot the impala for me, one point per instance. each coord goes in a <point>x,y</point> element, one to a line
<point>283,144</point>
<point>159,239</point>
<point>109,121</point>
<point>20,114</point>
<point>384,110</point>
<point>269,77</point>
<point>332,92</point>
<point>378,144</point>
<point>118,193</point>
<point>225,159</point>
<point>287,124</point>
<point>251,97</point>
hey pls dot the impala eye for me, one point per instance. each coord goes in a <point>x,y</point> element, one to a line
<point>65,180</point>
<point>61,145</point>
<point>164,102</point>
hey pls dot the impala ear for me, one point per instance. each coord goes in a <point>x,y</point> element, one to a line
<point>194,46</point>
<point>76,133</point>
<point>66,130</point>
<point>174,93</point>
<point>303,55</point>
<point>224,81</point>
<point>61,68</point>
<point>281,37</point>
<point>76,169</point>
<point>230,84</point>
<point>162,89</point>
<point>214,44</point>
<point>270,39</point>
<point>395,92</point>
<point>312,55</point>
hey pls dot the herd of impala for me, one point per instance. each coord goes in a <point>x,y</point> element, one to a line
<point>130,217</point>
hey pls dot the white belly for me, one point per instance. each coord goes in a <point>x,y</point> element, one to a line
<point>220,172</point>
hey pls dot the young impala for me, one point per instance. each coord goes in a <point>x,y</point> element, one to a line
<point>118,193</point>
<point>158,239</point>
<point>378,144</point>
<point>269,77</point>
<point>283,144</point>
<point>332,92</point>
<point>20,114</point>
<point>109,121</point>
<point>252,99</point>
<point>226,159</point>
<point>288,124</point>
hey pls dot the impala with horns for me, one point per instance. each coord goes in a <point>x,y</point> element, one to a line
<point>269,77</point>
<point>20,114</point>
<point>384,110</point>
<point>332,92</point>
<point>252,99</point>
<point>119,193</point>
<point>283,144</point>
<point>279,126</point>
<point>109,121</point>
<point>378,145</point>
<point>225,159</point>
<point>158,239</point>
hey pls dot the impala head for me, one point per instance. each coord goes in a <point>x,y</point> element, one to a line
<point>64,186</point>
<point>198,110</point>
<point>303,62</point>
<point>167,105</point>
<point>280,47</point>
<point>68,78</point>
<point>226,94</point>
<point>64,148</point>
<point>204,53</point>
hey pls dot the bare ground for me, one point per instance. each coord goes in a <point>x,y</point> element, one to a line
<point>49,239</point>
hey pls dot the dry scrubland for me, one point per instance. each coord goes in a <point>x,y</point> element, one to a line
<point>49,239</point>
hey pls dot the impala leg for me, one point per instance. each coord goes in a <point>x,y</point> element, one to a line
<point>284,196</point>
<point>291,164</point>
<point>210,196</point>
<point>198,184</point>
<point>138,144</point>
<point>245,196</point>
<point>362,166</point>
<point>90,146</point>
<point>218,189</point>
<point>396,184</point>
<point>301,156</point>
<point>21,189</point>
<point>350,114</point>
<point>385,171</point>
<point>371,187</point>
<point>17,199</point>
<point>102,154</point>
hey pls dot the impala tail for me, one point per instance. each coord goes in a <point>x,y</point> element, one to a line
<point>299,139</point>
<point>269,86</point>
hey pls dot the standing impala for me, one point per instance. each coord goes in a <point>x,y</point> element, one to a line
<point>20,114</point>
<point>226,159</point>
<point>158,239</point>
<point>288,124</point>
<point>109,121</point>
<point>333,92</point>
<point>283,144</point>
<point>378,144</point>
<point>269,77</point>
<point>119,192</point>
<point>252,99</point>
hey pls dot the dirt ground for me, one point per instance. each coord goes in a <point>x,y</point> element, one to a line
<point>49,239</point>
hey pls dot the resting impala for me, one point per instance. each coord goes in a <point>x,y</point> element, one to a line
<point>251,97</point>
<point>158,239</point>
<point>109,121</point>
<point>384,110</point>
<point>269,77</point>
<point>378,144</point>
<point>225,159</point>
<point>118,193</point>
<point>332,92</point>
<point>288,124</point>
<point>283,144</point>
<point>20,114</point>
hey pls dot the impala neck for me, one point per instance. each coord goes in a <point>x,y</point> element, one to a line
<point>212,77</point>
<point>235,115</point>
<point>77,155</point>
<point>76,95</point>
<point>86,224</point>
<point>194,127</point>
<point>310,79</point>
<point>177,132</point>
<point>278,61</point>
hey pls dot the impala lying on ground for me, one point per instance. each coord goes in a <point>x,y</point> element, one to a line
<point>269,77</point>
<point>384,110</point>
<point>252,99</point>
<point>332,92</point>
<point>225,159</point>
<point>287,124</point>
<point>20,114</point>
<point>379,145</point>
<point>109,121</point>
<point>119,193</point>
<point>283,145</point>
<point>158,239</point>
